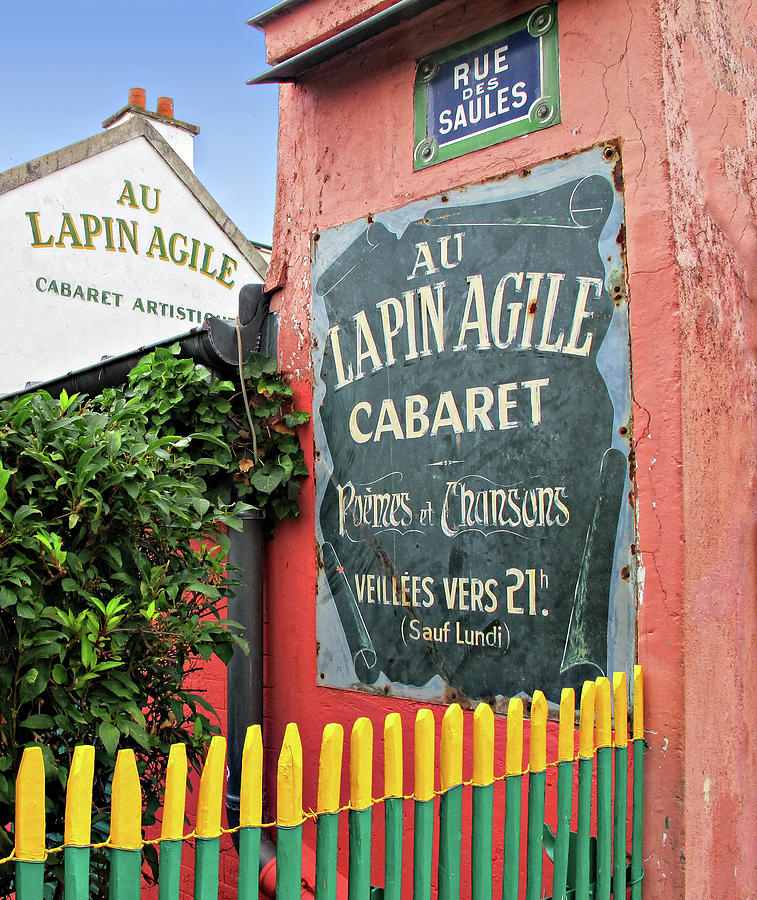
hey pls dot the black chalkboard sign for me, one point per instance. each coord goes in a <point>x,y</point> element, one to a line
<point>472,434</point>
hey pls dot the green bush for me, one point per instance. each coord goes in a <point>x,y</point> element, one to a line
<point>112,564</point>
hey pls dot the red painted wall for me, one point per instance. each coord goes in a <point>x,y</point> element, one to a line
<point>675,81</point>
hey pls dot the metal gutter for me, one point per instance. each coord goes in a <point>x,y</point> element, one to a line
<point>213,344</point>
<point>339,43</point>
<point>273,12</point>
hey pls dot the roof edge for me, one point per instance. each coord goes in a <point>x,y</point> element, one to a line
<point>290,69</point>
<point>273,12</point>
<point>141,111</point>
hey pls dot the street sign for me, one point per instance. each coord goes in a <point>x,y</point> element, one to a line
<point>497,85</point>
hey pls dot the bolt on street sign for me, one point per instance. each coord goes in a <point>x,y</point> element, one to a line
<point>497,85</point>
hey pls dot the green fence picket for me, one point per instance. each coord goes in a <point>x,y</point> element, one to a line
<point>537,782</point>
<point>393,848</point>
<point>423,848</point>
<point>603,712</point>
<point>423,827</point>
<point>207,863</point>
<point>208,827</point>
<point>586,749</point>
<point>126,829</point>
<point>76,873</point>
<point>326,854</point>
<point>637,865</point>
<point>620,714</point>
<point>289,863</point>
<point>361,812</point>
<point>482,836</point>
<point>513,787</point>
<point>360,854</point>
<point>125,874</point>
<point>249,863</point>
<point>450,843</point>
<point>169,870</point>
<point>566,748</point>
<point>451,806</point>
<point>482,825</point>
<point>393,806</point>
<point>329,782</point>
<point>30,825</point>
<point>289,817</point>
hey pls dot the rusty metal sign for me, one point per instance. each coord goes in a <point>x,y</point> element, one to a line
<point>473,424</point>
<point>496,85</point>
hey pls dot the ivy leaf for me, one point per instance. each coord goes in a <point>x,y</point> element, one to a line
<point>109,735</point>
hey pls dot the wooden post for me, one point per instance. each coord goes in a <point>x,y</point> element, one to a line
<point>513,780</point>
<point>360,814</point>
<point>620,710</point>
<point>483,802</point>
<point>126,829</point>
<point>537,780</point>
<point>208,827</point>
<point>289,816</point>
<point>77,833</point>
<point>30,825</point>
<point>329,779</point>
<point>250,813</point>
<point>172,826</point>
<point>585,771</point>
<point>393,791</point>
<point>423,836</point>
<point>451,806</point>
<point>566,748</point>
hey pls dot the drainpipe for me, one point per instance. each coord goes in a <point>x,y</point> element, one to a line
<point>244,674</point>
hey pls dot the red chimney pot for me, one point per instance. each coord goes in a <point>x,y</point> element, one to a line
<point>165,107</point>
<point>137,97</point>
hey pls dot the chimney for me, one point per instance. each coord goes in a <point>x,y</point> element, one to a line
<point>137,97</point>
<point>179,135</point>
<point>165,107</point>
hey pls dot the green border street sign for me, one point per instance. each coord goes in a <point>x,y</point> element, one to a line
<point>498,84</point>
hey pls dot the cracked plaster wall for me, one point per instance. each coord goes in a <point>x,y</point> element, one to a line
<point>345,150</point>
<point>710,69</point>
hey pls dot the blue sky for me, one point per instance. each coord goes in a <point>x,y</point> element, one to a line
<point>65,67</point>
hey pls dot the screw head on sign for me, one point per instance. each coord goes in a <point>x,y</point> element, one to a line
<point>540,21</point>
<point>426,151</point>
<point>427,68</point>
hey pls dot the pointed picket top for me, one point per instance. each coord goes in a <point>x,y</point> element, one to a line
<point>514,746</point>
<point>361,764</point>
<point>483,745</point>
<point>30,806</point>
<point>586,726</point>
<point>566,741</point>
<point>423,755</point>
<point>289,780</point>
<point>126,804</point>
<point>393,772</point>
<point>537,743</point>
<point>251,783</point>
<point>78,826</point>
<point>210,796</point>
<point>174,797</point>
<point>638,703</point>
<point>330,768</point>
<point>603,712</point>
<point>451,748</point>
<point>620,708</point>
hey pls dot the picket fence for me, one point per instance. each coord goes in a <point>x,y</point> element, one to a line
<point>591,862</point>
